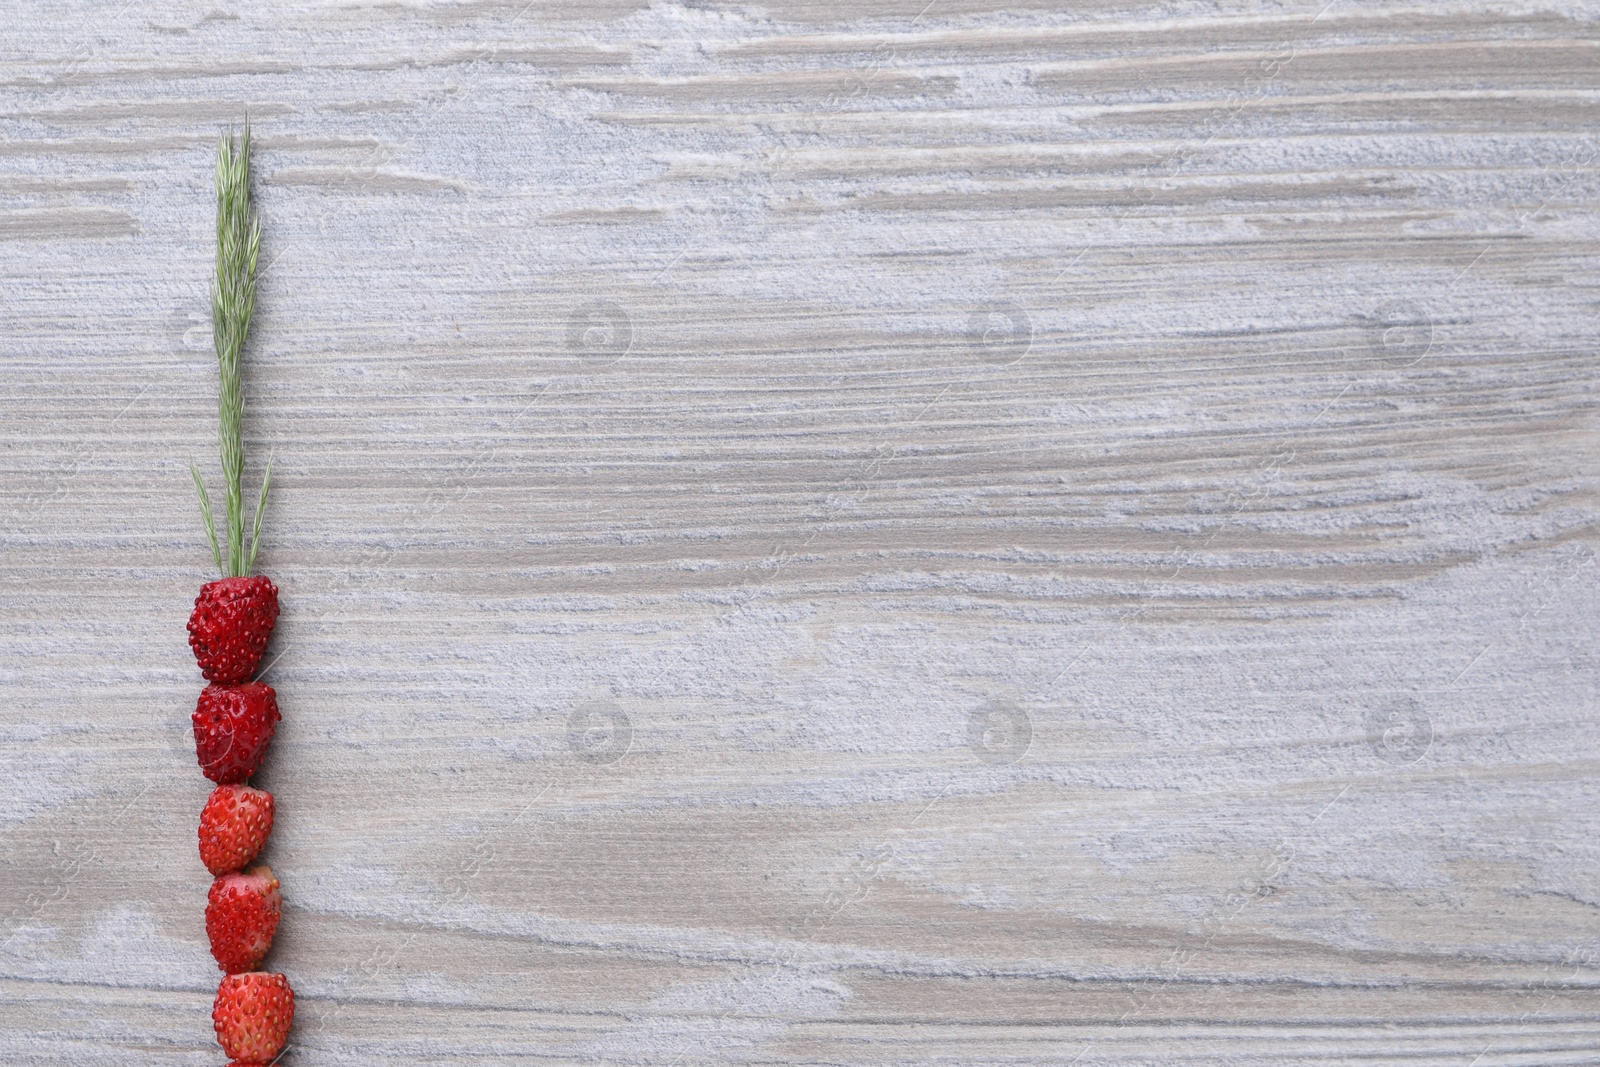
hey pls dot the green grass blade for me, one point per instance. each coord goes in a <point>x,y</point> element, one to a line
<point>261,505</point>
<point>233,299</point>
<point>205,511</point>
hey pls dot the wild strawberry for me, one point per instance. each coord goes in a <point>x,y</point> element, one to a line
<point>233,725</point>
<point>232,620</point>
<point>241,916</point>
<point>252,1016</point>
<point>234,826</point>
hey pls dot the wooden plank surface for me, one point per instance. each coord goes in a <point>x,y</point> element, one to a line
<point>819,533</point>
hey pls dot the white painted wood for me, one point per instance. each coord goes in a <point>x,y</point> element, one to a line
<point>892,533</point>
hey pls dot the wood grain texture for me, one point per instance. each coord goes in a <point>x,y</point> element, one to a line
<point>885,533</point>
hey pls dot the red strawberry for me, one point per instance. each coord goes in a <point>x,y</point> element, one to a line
<point>234,826</point>
<point>232,620</point>
<point>252,1015</point>
<point>241,917</point>
<point>233,724</point>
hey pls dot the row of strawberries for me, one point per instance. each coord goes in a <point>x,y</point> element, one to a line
<point>233,724</point>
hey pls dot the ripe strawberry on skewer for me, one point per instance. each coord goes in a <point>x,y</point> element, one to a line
<point>234,826</point>
<point>232,620</point>
<point>233,724</point>
<point>235,718</point>
<point>252,1014</point>
<point>242,916</point>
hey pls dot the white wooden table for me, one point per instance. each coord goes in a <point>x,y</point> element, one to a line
<point>820,533</point>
